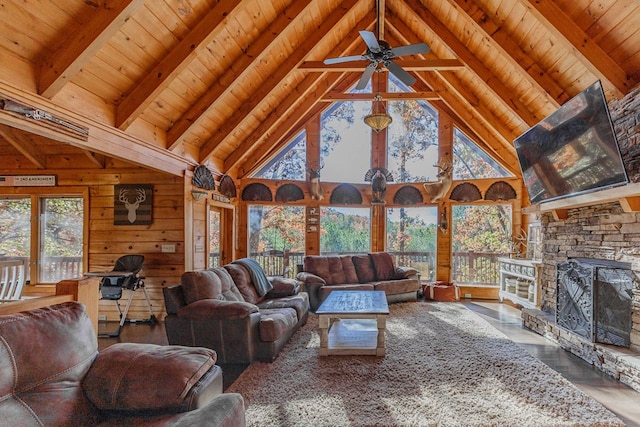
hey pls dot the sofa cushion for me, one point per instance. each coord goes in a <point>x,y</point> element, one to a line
<point>242,279</point>
<point>119,377</point>
<point>398,286</point>
<point>383,265</point>
<point>334,270</point>
<point>364,268</point>
<point>44,355</point>
<point>276,323</point>
<point>207,309</point>
<point>299,302</point>
<point>215,283</point>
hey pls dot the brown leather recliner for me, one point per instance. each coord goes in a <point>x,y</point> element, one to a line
<point>52,374</point>
<point>220,308</point>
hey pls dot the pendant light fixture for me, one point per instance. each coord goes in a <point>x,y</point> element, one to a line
<point>378,119</point>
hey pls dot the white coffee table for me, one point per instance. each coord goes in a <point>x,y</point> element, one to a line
<point>359,322</point>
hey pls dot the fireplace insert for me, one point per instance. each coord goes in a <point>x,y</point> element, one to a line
<point>593,299</point>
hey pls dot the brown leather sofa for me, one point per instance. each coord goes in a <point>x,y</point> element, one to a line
<point>51,374</point>
<point>222,308</point>
<point>372,271</point>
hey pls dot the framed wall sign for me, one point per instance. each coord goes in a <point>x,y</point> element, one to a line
<point>133,204</point>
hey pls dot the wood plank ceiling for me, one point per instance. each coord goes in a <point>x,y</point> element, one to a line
<point>171,84</point>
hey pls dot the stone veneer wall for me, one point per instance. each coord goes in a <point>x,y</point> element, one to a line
<point>601,231</point>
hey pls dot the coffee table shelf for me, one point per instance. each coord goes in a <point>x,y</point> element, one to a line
<point>353,323</point>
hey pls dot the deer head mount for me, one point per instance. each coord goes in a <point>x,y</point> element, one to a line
<point>141,196</point>
<point>438,189</point>
<point>313,183</point>
<point>378,178</point>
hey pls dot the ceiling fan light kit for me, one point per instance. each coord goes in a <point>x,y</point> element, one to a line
<point>378,119</point>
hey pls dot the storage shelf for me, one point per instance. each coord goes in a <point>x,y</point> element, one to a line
<point>525,272</point>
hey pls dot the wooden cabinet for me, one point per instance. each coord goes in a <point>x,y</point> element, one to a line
<point>520,281</point>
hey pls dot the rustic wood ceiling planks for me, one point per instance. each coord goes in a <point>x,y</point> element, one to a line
<point>228,81</point>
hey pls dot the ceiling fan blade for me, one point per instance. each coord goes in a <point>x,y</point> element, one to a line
<point>366,76</point>
<point>412,49</point>
<point>370,40</point>
<point>400,73</point>
<point>341,59</point>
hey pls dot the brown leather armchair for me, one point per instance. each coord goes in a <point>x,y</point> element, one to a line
<point>52,374</point>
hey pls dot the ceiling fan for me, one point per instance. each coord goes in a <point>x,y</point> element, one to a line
<point>379,52</point>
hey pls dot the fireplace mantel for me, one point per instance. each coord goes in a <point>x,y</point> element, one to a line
<point>627,195</point>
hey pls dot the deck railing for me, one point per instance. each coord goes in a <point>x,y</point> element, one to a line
<point>468,268</point>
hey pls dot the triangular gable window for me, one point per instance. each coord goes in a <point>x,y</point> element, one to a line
<point>289,163</point>
<point>471,162</point>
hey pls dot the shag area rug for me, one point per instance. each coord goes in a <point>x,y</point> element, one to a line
<point>444,366</point>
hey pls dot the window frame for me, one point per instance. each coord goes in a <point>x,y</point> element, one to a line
<point>37,193</point>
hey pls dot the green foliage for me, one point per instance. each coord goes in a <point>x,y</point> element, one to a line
<point>276,227</point>
<point>345,231</point>
<point>481,228</point>
<point>63,226</point>
<point>15,226</point>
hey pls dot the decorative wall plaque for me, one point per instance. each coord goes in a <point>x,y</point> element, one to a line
<point>133,204</point>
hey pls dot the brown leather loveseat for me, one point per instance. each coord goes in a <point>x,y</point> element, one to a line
<point>372,271</point>
<point>51,374</point>
<point>226,309</point>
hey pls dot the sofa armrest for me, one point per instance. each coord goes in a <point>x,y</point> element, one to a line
<point>283,287</point>
<point>227,410</point>
<point>207,309</point>
<point>405,272</point>
<point>148,377</point>
<point>307,278</point>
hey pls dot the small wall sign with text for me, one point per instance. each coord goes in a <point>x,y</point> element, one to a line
<point>28,181</point>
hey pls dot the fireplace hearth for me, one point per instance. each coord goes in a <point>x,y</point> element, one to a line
<point>594,300</point>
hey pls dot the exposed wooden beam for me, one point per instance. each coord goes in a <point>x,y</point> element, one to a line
<point>288,66</point>
<point>282,120</point>
<point>102,138</point>
<point>24,145</point>
<point>271,36</point>
<point>295,120</point>
<point>158,79</point>
<point>509,49</point>
<point>80,46</point>
<point>341,96</point>
<point>588,52</point>
<point>455,92</point>
<point>407,64</point>
<point>494,84</point>
<point>97,159</point>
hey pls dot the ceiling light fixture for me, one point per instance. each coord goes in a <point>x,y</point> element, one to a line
<point>378,119</point>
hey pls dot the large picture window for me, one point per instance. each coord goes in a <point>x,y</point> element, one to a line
<point>412,237</point>
<point>276,237</point>
<point>480,235</point>
<point>345,146</point>
<point>345,230</point>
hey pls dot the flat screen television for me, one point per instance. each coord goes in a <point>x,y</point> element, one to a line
<point>572,151</point>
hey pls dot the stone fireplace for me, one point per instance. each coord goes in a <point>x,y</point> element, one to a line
<point>607,231</point>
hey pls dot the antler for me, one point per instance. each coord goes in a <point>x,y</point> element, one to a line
<point>123,196</point>
<point>141,195</point>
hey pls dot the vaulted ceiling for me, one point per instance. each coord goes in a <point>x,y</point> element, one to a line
<point>171,84</point>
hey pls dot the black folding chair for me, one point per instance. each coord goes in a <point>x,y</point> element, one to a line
<point>124,276</point>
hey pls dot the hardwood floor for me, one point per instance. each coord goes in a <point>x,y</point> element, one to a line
<point>617,397</point>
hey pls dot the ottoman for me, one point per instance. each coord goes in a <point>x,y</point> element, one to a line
<point>441,291</point>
